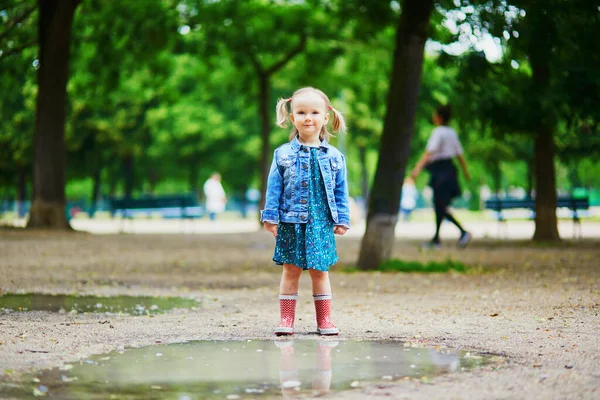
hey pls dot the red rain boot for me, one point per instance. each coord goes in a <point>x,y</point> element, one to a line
<point>323,309</point>
<point>287,308</point>
<point>321,381</point>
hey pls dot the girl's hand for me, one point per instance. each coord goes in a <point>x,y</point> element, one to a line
<point>269,227</point>
<point>340,230</point>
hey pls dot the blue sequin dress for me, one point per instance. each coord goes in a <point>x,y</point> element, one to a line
<point>310,245</point>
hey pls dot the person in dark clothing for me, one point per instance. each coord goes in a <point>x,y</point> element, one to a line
<point>443,146</point>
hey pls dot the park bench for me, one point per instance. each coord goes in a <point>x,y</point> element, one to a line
<point>185,204</point>
<point>572,203</point>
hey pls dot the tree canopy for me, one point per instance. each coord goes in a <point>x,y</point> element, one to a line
<point>162,93</point>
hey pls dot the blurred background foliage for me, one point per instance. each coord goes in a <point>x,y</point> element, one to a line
<point>163,92</point>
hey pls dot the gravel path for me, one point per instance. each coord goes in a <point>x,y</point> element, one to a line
<point>536,305</point>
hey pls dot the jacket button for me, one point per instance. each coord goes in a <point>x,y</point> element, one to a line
<point>302,201</point>
<point>303,217</point>
<point>304,166</point>
<point>305,149</point>
<point>304,184</point>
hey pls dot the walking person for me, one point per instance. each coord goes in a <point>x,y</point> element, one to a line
<point>215,196</point>
<point>443,146</point>
<point>306,204</point>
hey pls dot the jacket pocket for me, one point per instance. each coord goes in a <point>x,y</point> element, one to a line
<point>336,165</point>
<point>286,166</point>
<point>286,162</point>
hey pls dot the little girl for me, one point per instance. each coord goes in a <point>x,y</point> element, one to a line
<point>306,203</point>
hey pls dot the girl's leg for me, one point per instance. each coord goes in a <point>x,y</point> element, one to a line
<point>288,295</point>
<point>322,297</point>
<point>321,379</point>
<point>320,282</point>
<point>288,371</point>
<point>290,277</point>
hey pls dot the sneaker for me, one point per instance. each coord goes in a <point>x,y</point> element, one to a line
<point>464,240</point>
<point>431,245</point>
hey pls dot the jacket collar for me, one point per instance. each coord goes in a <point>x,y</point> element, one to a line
<point>296,145</point>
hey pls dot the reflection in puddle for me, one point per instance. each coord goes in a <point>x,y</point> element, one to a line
<point>247,369</point>
<point>79,304</point>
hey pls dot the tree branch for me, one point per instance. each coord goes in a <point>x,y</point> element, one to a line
<point>11,24</point>
<point>254,60</point>
<point>17,50</point>
<point>287,58</point>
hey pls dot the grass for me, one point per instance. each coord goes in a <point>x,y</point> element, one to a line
<point>430,267</point>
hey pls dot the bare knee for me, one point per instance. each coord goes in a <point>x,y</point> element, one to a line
<point>291,272</point>
<point>318,275</point>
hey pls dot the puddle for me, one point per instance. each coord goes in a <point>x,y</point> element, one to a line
<point>93,304</point>
<point>249,369</point>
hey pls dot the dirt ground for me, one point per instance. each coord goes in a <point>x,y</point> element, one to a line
<point>536,305</point>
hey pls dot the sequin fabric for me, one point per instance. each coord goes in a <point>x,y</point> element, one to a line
<point>310,245</point>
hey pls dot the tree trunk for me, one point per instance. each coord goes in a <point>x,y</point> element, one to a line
<point>497,177</point>
<point>364,179</point>
<point>112,182</point>
<point>95,192</point>
<point>265,129</point>
<point>127,172</point>
<point>193,176</point>
<point>546,224</point>
<point>574,176</point>
<point>54,36</point>
<point>153,180</point>
<point>22,192</point>
<point>384,198</point>
<point>530,178</point>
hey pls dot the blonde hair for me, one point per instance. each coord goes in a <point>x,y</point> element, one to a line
<point>283,114</point>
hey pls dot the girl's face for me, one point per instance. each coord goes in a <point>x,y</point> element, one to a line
<point>437,120</point>
<point>309,114</point>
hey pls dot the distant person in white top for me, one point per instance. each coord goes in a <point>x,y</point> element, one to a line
<point>215,196</point>
<point>409,197</point>
<point>442,147</point>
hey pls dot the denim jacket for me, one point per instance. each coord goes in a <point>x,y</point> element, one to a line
<point>287,186</point>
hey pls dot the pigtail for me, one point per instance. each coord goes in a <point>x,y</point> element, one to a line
<point>282,112</point>
<point>339,123</point>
